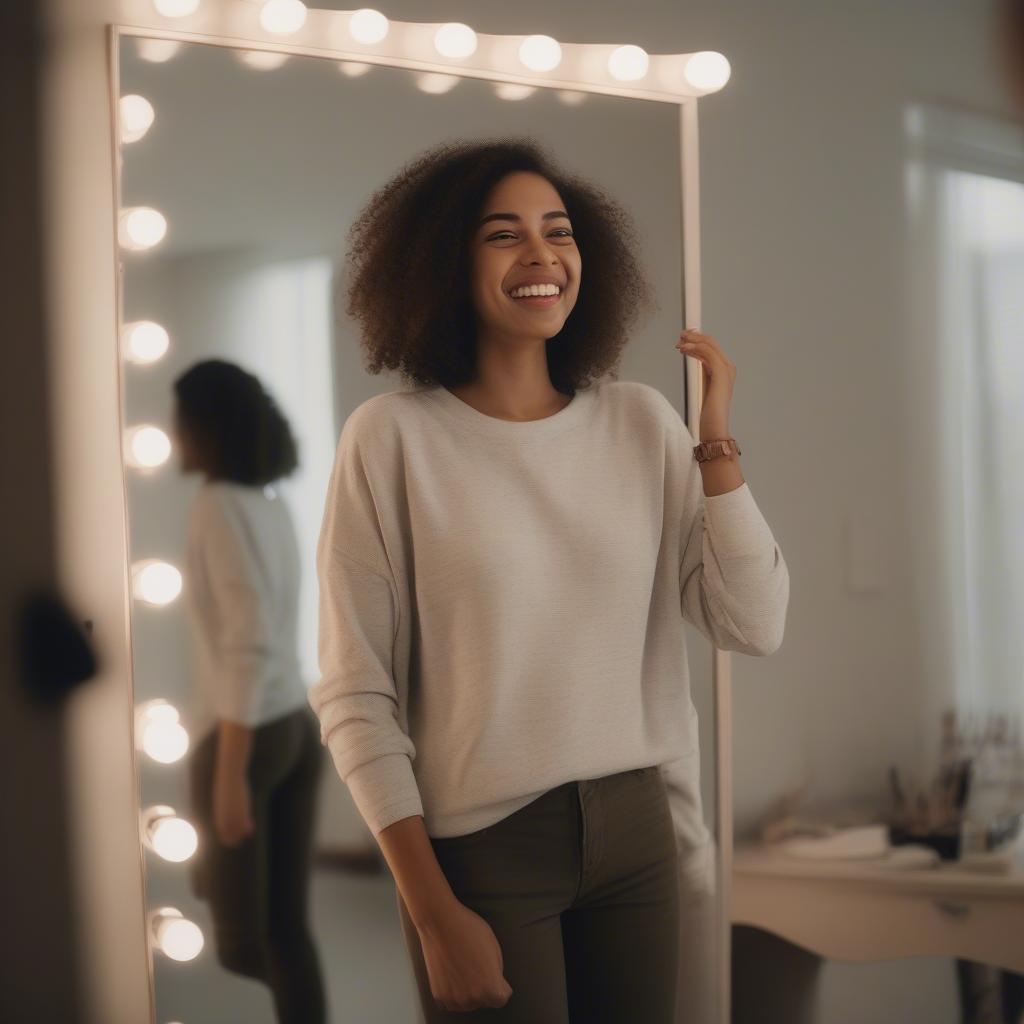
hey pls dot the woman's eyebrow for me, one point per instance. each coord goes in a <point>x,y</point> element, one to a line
<point>515,216</point>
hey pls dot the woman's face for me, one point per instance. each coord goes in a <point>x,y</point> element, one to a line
<point>531,241</point>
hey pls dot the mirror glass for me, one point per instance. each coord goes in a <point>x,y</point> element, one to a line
<point>258,164</point>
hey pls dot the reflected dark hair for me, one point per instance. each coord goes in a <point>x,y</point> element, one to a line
<point>408,280</point>
<point>229,413</point>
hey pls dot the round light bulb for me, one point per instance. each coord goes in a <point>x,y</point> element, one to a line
<point>137,114</point>
<point>144,341</point>
<point>175,8</point>
<point>159,710</point>
<point>628,63</point>
<point>141,227</point>
<point>513,91</point>
<point>540,53</point>
<point>175,936</point>
<point>173,838</point>
<point>165,742</point>
<point>148,447</point>
<point>435,83</point>
<point>368,26</point>
<point>455,40</point>
<point>262,60</point>
<point>707,70</point>
<point>157,51</point>
<point>156,582</point>
<point>283,17</point>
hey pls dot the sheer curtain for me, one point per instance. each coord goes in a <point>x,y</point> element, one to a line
<point>984,228</point>
<point>964,425</point>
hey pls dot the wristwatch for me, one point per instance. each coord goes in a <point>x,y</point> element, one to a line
<point>712,449</point>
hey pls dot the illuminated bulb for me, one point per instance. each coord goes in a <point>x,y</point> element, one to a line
<point>147,447</point>
<point>157,51</point>
<point>434,83</point>
<point>137,115</point>
<point>156,582</point>
<point>282,17</point>
<point>167,835</point>
<point>161,739</point>
<point>368,26</point>
<point>141,227</point>
<point>353,68</point>
<point>513,90</point>
<point>174,935</point>
<point>175,8</point>
<point>262,60</point>
<point>628,63</point>
<point>158,710</point>
<point>455,40</point>
<point>174,839</point>
<point>540,53</point>
<point>159,733</point>
<point>707,70</point>
<point>165,742</point>
<point>143,341</point>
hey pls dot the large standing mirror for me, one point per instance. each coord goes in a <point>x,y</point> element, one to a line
<point>257,162</point>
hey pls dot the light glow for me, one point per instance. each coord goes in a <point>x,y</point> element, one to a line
<point>147,447</point>
<point>628,63</point>
<point>144,341</point>
<point>540,53</point>
<point>368,26</point>
<point>455,40</point>
<point>141,227</point>
<point>283,17</point>
<point>174,935</point>
<point>136,115</point>
<point>707,71</point>
<point>155,582</point>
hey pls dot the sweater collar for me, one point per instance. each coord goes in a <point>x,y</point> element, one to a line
<point>515,430</point>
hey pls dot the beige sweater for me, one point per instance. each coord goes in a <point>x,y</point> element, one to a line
<point>242,580</point>
<point>502,603</point>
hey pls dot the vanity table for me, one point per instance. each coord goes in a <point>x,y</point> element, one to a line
<point>861,911</point>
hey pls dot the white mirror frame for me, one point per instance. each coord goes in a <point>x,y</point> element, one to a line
<point>235,24</point>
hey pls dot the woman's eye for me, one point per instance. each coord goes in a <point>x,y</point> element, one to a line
<point>496,237</point>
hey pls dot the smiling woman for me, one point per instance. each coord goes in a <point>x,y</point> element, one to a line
<point>436,253</point>
<point>531,533</point>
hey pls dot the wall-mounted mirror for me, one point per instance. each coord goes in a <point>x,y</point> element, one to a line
<point>257,163</point>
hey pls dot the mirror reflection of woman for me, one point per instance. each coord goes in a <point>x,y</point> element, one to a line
<point>256,768</point>
<point>508,554</point>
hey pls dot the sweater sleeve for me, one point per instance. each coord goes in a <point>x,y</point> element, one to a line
<point>242,643</point>
<point>733,580</point>
<point>356,699</point>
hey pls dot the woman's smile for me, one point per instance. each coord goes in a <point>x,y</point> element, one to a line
<point>539,301</point>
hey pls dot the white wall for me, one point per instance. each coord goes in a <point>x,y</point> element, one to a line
<point>802,283</point>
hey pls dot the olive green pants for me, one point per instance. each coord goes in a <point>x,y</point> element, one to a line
<point>581,889</point>
<point>258,890</point>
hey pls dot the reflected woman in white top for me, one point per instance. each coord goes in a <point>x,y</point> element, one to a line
<point>255,772</point>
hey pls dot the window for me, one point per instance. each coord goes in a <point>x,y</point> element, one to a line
<point>965,191</point>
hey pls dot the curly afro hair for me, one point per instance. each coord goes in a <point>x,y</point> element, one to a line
<point>409,261</point>
<point>236,422</point>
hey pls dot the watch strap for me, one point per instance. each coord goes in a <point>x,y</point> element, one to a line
<point>713,449</point>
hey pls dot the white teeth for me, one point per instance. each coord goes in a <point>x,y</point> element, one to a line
<point>535,289</point>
